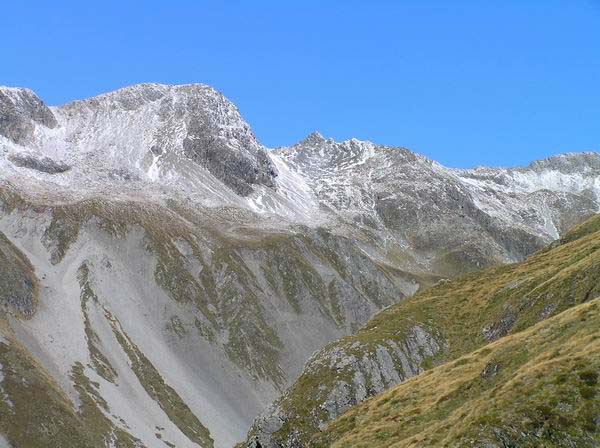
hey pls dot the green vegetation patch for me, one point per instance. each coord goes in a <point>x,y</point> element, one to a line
<point>35,412</point>
<point>99,362</point>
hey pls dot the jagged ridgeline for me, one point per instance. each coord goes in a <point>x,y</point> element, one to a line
<point>164,277</point>
<point>532,384</point>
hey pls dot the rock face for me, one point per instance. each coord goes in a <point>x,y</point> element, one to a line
<point>215,317</point>
<point>19,286</point>
<point>189,272</point>
<point>45,164</point>
<point>193,120</point>
<point>20,111</point>
<point>372,372</point>
<point>360,372</point>
<point>151,129</point>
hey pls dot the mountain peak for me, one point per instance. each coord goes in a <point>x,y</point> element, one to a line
<point>16,92</point>
<point>314,137</point>
<point>152,227</point>
<point>20,110</point>
<point>140,95</point>
<point>154,131</point>
<point>570,162</point>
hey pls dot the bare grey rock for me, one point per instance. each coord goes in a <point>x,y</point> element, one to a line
<point>574,163</point>
<point>19,110</point>
<point>491,369</point>
<point>193,119</point>
<point>19,286</point>
<point>43,164</point>
<point>501,328</point>
<point>496,215</point>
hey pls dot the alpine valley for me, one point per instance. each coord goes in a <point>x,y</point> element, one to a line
<point>167,281</point>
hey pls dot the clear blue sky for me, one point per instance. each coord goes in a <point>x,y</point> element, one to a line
<point>464,82</point>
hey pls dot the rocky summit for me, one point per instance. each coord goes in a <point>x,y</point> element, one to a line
<point>165,278</point>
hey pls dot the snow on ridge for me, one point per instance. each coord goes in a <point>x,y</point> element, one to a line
<point>140,90</point>
<point>350,176</point>
<point>132,139</point>
<point>15,92</point>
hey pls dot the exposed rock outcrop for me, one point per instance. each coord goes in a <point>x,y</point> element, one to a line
<point>44,164</point>
<point>19,286</point>
<point>20,110</point>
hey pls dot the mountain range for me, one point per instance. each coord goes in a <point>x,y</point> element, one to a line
<point>166,278</point>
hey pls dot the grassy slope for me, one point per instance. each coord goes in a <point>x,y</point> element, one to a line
<point>545,284</point>
<point>538,387</point>
<point>503,300</point>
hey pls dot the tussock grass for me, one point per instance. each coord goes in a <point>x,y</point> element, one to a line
<point>544,391</point>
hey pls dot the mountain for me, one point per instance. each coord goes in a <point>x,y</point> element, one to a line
<point>495,309</point>
<point>166,277</point>
<point>410,202</point>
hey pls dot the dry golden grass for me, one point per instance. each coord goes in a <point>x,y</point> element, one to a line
<point>544,393</point>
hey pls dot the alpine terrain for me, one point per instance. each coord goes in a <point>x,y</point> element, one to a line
<point>504,379</point>
<point>167,281</point>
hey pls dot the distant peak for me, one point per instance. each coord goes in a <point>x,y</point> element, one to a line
<point>569,162</point>
<point>18,94</point>
<point>164,88</point>
<point>16,90</point>
<point>314,137</point>
<point>136,95</point>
